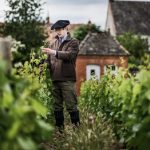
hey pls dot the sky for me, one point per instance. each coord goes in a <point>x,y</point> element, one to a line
<point>77,11</point>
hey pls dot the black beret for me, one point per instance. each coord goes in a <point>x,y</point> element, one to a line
<point>60,24</point>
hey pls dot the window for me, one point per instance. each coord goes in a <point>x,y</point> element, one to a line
<point>112,68</point>
<point>92,72</point>
<point>147,38</point>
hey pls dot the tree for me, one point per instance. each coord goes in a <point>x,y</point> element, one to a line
<point>136,45</point>
<point>23,22</point>
<point>83,30</point>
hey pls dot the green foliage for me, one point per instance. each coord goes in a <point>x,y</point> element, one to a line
<point>21,111</point>
<point>37,72</point>
<point>23,22</point>
<point>146,62</point>
<point>83,30</point>
<point>135,45</point>
<point>125,101</point>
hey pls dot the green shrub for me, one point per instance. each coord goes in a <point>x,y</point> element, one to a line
<point>37,72</point>
<point>125,101</point>
<point>22,126</point>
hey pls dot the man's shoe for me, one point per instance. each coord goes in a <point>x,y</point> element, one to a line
<point>75,119</point>
<point>59,118</point>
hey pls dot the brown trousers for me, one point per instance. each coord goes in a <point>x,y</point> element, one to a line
<point>64,91</point>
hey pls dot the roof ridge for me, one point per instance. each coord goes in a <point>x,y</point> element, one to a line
<point>83,41</point>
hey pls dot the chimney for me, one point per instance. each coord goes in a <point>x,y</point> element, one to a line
<point>89,26</point>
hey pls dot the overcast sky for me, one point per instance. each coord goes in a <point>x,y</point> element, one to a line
<point>77,11</point>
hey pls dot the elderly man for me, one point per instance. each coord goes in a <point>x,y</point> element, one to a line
<point>62,56</point>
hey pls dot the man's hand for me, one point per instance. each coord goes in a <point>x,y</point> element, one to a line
<point>49,51</point>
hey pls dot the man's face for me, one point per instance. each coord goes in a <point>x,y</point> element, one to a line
<point>61,32</point>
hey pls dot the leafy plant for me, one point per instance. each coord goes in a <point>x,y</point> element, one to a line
<point>124,100</point>
<point>21,112</point>
<point>36,71</point>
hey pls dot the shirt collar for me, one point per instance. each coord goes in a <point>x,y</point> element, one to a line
<point>66,38</point>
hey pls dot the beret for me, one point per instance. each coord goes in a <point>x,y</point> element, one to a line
<point>60,24</point>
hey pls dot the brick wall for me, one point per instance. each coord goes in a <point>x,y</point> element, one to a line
<point>83,61</point>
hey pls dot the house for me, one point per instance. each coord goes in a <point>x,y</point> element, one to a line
<point>129,16</point>
<point>98,52</point>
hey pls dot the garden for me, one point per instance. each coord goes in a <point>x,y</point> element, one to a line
<point>114,111</point>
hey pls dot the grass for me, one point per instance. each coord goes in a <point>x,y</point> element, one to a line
<point>93,134</point>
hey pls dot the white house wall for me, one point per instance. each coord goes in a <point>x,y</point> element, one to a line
<point>110,21</point>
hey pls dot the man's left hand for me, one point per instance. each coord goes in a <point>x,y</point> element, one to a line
<point>49,51</point>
